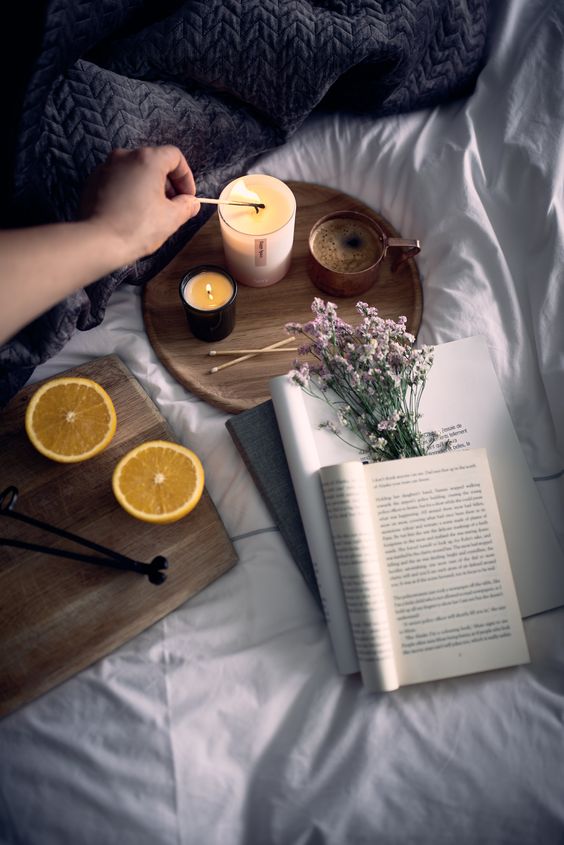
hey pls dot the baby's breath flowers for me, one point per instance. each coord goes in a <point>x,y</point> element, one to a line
<point>371,375</point>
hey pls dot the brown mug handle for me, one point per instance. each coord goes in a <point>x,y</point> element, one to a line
<point>410,246</point>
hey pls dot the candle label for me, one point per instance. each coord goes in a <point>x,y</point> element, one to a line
<point>260,252</point>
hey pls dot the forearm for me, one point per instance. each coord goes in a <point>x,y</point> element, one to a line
<point>129,214</point>
<point>40,266</point>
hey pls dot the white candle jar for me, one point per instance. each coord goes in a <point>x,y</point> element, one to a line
<point>258,245</point>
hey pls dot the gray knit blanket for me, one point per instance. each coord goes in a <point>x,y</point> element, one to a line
<point>225,80</point>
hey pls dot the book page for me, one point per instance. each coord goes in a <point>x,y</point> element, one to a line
<point>463,401</point>
<point>352,527</point>
<point>453,606</point>
<point>303,462</point>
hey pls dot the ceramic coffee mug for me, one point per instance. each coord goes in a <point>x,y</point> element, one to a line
<point>346,250</point>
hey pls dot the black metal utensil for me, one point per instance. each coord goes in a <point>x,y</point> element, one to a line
<point>113,559</point>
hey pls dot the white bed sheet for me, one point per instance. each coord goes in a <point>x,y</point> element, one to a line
<point>226,722</point>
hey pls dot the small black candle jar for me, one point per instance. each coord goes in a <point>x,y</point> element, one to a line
<point>208,294</point>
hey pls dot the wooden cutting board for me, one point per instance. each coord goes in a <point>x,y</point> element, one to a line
<point>58,616</point>
<point>263,312</point>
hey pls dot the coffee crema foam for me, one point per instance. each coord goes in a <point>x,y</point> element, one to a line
<point>346,245</point>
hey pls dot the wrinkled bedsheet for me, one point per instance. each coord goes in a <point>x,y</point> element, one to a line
<point>226,723</point>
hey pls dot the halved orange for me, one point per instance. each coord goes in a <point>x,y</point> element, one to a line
<point>70,419</point>
<point>159,481</point>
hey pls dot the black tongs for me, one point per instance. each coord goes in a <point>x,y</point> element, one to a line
<point>153,570</point>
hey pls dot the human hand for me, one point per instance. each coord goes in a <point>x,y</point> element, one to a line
<point>139,198</point>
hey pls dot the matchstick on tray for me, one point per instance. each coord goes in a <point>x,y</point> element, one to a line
<point>250,353</point>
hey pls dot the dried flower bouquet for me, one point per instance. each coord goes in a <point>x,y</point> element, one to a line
<point>371,375</point>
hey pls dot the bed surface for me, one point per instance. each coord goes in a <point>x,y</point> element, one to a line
<point>227,722</point>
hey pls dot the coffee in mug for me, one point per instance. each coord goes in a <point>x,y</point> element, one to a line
<point>346,245</point>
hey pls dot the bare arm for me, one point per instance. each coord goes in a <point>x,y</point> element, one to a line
<point>132,204</point>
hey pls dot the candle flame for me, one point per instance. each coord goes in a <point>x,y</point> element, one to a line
<point>209,291</point>
<point>240,193</point>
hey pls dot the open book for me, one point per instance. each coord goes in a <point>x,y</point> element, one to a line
<point>424,568</point>
<point>462,398</point>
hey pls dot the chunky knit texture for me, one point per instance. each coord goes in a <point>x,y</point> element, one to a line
<point>225,80</point>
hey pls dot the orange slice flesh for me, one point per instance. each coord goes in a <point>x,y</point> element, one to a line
<point>159,481</point>
<point>70,419</point>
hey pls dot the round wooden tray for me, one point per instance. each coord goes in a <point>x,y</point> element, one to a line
<point>263,312</point>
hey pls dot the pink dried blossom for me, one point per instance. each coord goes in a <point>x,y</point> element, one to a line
<point>370,374</point>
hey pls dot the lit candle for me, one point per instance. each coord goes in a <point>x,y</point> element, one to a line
<point>258,243</point>
<point>208,289</point>
<point>208,295</point>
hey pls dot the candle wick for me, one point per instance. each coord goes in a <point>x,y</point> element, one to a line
<point>209,292</point>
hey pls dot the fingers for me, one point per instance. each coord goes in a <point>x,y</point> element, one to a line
<point>178,170</point>
<point>168,158</point>
<point>143,195</point>
<point>169,189</point>
<point>188,206</point>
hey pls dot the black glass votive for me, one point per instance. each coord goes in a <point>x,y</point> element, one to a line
<point>208,294</point>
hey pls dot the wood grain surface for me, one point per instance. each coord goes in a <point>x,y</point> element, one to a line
<point>262,312</point>
<point>58,616</point>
